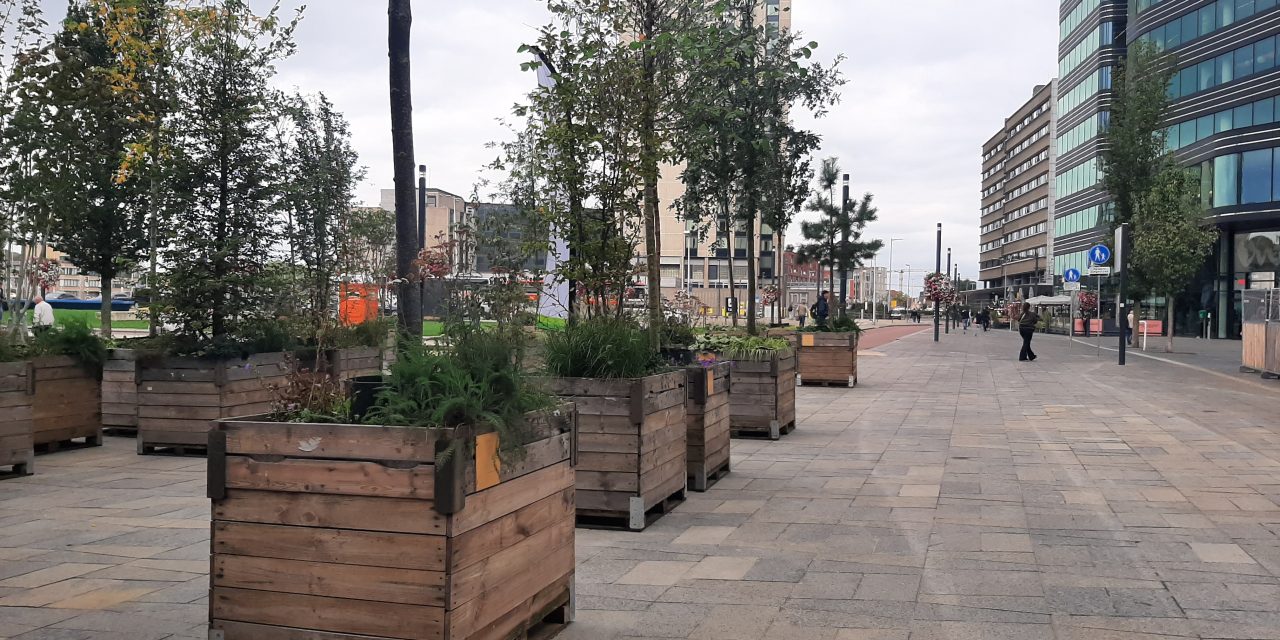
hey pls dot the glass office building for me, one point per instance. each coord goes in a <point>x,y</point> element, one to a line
<point>1224,122</point>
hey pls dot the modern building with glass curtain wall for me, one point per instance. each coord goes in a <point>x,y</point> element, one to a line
<point>1224,123</point>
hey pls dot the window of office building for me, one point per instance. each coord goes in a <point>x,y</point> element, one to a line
<point>1204,21</point>
<point>1254,114</point>
<point>1242,62</point>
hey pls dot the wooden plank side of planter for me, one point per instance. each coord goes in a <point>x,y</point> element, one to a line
<point>120,390</point>
<point>340,546</point>
<point>320,613</point>
<point>16,443</point>
<point>707,425</point>
<point>333,580</point>
<point>333,477</point>
<point>67,402</point>
<point>179,397</point>
<point>323,564</point>
<point>389,515</point>
<point>763,393</point>
<point>828,357</point>
<point>251,436</point>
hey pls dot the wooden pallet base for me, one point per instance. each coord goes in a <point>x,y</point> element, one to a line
<point>850,383</point>
<point>155,449</point>
<point>20,469</point>
<point>702,481</point>
<point>552,622</point>
<point>121,432</point>
<point>774,431</point>
<point>62,445</point>
<point>637,519</point>
<point>1267,375</point>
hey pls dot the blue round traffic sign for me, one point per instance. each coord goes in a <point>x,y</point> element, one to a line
<point>1071,275</point>
<point>1100,254</point>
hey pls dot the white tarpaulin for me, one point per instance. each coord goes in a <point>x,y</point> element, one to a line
<point>1050,301</point>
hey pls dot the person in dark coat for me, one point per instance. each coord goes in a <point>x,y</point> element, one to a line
<point>1027,329</point>
<point>822,309</point>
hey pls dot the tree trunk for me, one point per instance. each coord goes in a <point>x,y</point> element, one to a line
<point>1168,328</point>
<point>649,144</point>
<point>753,275</point>
<point>153,310</point>
<point>731,231</point>
<point>400,20</point>
<point>105,307</point>
<point>779,274</point>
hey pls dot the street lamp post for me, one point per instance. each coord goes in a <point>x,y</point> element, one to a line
<point>889,274</point>
<point>948,322</point>
<point>937,267</point>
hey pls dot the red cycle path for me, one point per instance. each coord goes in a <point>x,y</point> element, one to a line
<point>880,336</point>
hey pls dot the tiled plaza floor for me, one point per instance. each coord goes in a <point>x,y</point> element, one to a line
<point>955,494</point>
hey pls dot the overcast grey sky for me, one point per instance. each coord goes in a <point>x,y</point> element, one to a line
<point>927,86</point>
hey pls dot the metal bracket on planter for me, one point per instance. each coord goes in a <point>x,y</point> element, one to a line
<point>451,495</point>
<point>216,469</point>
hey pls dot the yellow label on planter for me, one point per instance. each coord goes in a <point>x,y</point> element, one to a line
<point>806,340</point>
<point>487,463</point>
<point>711,384</point>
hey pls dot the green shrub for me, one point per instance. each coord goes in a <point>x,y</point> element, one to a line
<point>477,384</point>
<point>601,348</point>
<point>74,339</point>
<point>835,325</point>
<point>736,347</point>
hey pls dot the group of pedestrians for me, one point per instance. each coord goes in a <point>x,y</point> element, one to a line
<point>820,311</point>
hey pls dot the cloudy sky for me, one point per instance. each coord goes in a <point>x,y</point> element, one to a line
<point>927,86</point>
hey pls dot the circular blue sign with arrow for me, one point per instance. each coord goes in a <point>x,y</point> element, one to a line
<point>1071,275</point>
<point>1100,254</point>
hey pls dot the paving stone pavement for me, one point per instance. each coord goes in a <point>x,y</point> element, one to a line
<point>955,494</point>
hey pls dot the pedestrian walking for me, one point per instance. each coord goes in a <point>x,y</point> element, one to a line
<point>42,317</point>
<point>984,319</point>
<point>802,314</point>
<point>822,309</point>
<point>964,318</point>
<point>1027,329</point>
<point>1128,327</point>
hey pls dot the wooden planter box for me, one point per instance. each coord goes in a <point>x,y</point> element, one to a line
<point>354,362</point>
<point>1272,350</point>
<point>762,400</point>
<point>178,397</point>
<point>827,358</point>
<point>120,392</point>
<point>631,446</point>
<point>17,450</point>
<point>66,403</point>
<point>340,532</point>
<point>707,420</point>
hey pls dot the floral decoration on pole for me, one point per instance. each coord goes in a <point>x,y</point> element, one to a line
<point>45,274</point>
<point>770,294</point>
<point>1088,302</point>
<point>940,289</point>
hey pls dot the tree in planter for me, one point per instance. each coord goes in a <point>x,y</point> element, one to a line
<point>227,169</point>
<point>322,172</point>
<point>1175,239</point>
<point>399,21</point>
<point>100,222</point>
<point>764,74</point>
<point>1135,150</point>
<point>790,173</point>
<point>28,171</point>
<point>575,166</point>
<point>849,251</point>
<point>147,37</point>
